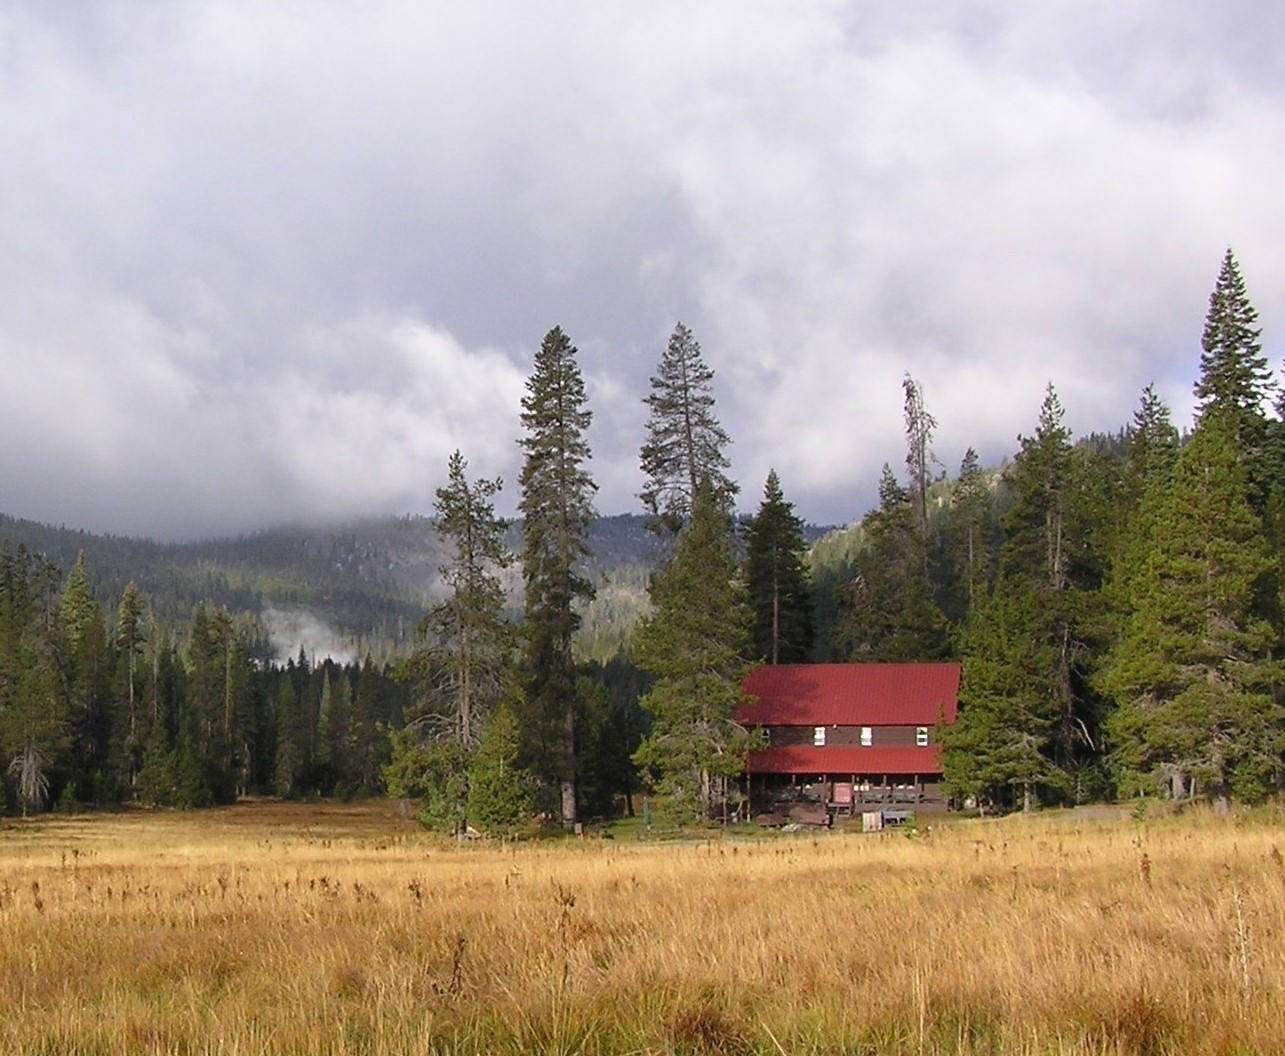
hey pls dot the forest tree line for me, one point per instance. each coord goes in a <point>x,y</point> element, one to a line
<point>104,708</point>
<point>1115,601</point>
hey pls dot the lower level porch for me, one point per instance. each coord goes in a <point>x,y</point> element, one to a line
<point>845,795</point>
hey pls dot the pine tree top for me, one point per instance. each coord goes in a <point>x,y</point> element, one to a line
<point>1234,376</point>
<point>684,449</point>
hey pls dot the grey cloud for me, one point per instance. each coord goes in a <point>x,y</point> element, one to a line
<point>268,263</point>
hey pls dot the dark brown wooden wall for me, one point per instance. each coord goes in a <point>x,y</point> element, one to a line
<point>847,736</point>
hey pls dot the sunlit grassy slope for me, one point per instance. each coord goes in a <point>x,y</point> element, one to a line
<point>270,929</point>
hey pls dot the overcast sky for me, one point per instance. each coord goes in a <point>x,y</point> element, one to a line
<point>273,262</point>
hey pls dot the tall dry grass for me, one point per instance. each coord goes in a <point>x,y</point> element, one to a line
<point>275,929</point>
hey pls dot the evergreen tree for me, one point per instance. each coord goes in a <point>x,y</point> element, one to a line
<point>1236,383</point>
<point>467,663</point>
<point>468,636</point>
<point>370,748</point>
<point>685,444</point>
<point>1038,534</point>
<point>970,529</point>
<point>130,642</point>
<point>334,751</point>
<point>200,733</point>
<point>85,670</point>
<point>1046,592</point>
<point>165,708</point>
<point>434,773</point>
<point>499,793</point>
<point>919,457</point>
<point>1152,447</point>
<point>1151,453</point>
<point>1234,376</point>
<point>999,749</point>
<point>776,576</point>
<point>34,725</point>
<point>1193,673</point>
<point>888,612</point>
<point>289,756</point>
<point>619,724</point>
<point>695,644</point>
<point>1047,543</point>
<point>557,508</point>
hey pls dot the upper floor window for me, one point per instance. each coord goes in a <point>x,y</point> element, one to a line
<point>921,736</point>
<point>818,736</point>
<point>867,736</point>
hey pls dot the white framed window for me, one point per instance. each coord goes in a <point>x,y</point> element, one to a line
<point>921,736</point>
<point>867,736</point>
<point>818,736</point>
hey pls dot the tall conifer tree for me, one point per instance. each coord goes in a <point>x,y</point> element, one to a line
<point>1044,570</point>
<point>919,456</point>
<point>131,727</point>
<point>777,579</point>
<point>971,527</point>
<point>468,637</point>
<point>1194,674</point>
<point>695,644</point>
<point>557,508</point>
<point>466,663</point>
<point>999,750</point>
<point>86,677</point>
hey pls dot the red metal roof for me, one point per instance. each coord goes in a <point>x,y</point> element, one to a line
<point>863,762</point>
<point>851,695</point>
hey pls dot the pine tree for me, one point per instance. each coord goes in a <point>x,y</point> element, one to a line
<point>85,669</point>
<point>1047,542</point>
<point>776,576</point>
<point>34,725</point>
<point>1193,673</point>
<point>887,612</point>
<point>557,509</point>
<point>685,445</point>
<point>1152,446</point>
<point>1151,453</point>
<point>1234,376</point>
<point>499,793</point>
<point>1049,571</point>
<point>205,734</point>
<point>370,747</point>
<point>999,749</point>
<point>695,644</point>
<point>289,757</point>
<point>433,773</point>
<point>468,636</point>
<point>919,457</point>
<point>130,642</point>
<point>336,736</point>
<point>1038,535</point>
<point>971,523</point>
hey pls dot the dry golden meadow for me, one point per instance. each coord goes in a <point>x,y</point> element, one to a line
<point>269,928</point>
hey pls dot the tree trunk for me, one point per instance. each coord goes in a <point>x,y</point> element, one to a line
<point>1221,796</point>
<point>568,784</point>
<point>568,787</point>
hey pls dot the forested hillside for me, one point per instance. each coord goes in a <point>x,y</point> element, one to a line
<point>369,582</point>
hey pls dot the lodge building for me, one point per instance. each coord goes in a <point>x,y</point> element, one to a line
<point>848,738</point>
